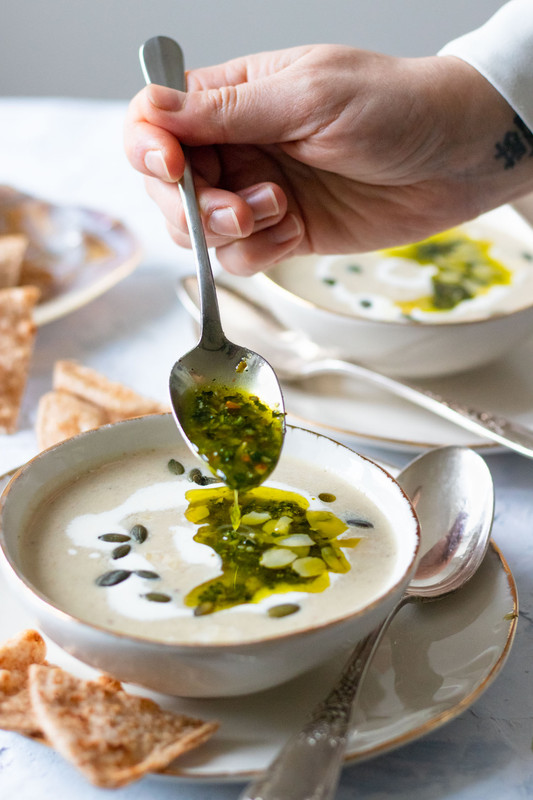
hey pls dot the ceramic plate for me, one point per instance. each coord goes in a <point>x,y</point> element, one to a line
<point>435,660</point>
<point>357,411</point>
<point>74,254</point>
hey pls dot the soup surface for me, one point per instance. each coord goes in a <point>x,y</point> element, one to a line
<point>465,273</point>
<point>145,546</point>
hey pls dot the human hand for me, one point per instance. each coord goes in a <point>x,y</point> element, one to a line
<point>324,149</point>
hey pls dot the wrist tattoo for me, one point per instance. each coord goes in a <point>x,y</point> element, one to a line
<point>515,145</point>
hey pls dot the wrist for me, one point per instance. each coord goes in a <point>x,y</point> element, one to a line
<point>486,146</point>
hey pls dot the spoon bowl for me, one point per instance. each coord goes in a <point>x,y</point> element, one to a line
<point>296,358</point>
<point>215,361</point>
<point>452,492</point>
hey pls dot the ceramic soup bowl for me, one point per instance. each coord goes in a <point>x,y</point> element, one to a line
<point>457,301</point>
<point>120,544</point>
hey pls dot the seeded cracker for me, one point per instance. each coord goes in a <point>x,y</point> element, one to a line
<point>17,338</point>
<point>112,737</point>
<point>16,657</point>
<point>61,415</point>
<point>118,401</point>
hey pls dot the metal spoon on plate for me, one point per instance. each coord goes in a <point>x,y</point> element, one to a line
<point>215,360</point>
<point>295,357</point>
<point>452,491</point>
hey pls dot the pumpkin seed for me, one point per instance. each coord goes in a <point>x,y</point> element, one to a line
<point>147,573</point>
<point>114,537</point>
<point>113,577</point>
<point>157,597</point>
<point>202,480</point>
<point>277,558</point>
<point>175,467</point>
<point>297,540</point>
<point>359,523</point>
<point>309,566</point>
<point>327,497</point>
<point>283,610</point>
<point>139,533</point>
<point>204,608</point>
<point>121,551</point>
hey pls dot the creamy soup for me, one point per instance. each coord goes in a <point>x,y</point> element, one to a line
<point>138,546</point>
<point>461,274</point>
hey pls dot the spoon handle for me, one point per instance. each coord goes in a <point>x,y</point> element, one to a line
<point>309,764</point>
<point>163,63</point>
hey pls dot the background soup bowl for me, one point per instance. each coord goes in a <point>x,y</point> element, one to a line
<point>434,346</point>
<point>189,669</point>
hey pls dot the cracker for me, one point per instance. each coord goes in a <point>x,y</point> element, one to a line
<point>61,415</point>
<point>17,339</point>
<point>16,657</point>
<point>12,249</point>
<point>119,402</point>
<point>112,737</point>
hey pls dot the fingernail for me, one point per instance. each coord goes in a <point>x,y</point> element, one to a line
<point>289,228</point>
<point>263,202</point>
<point>165,98</point>
<point>154,162</point>
<point>224,222</point>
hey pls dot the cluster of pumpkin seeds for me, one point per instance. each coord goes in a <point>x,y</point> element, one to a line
<point>137,535</point>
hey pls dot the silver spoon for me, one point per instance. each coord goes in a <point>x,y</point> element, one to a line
<point>452,491</point>
<point>214,359</point>
<point>295,357</point>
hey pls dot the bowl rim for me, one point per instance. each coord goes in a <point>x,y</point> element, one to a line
<point>267,278</point>
<point>33,594</point>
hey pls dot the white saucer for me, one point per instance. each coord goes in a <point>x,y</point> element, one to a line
<point>85,252</point>
<point>343,408</point>
<point>435,660</point>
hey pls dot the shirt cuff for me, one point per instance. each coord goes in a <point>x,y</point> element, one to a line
<point>502,51</point>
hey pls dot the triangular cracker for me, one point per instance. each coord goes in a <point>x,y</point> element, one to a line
<point>112,737</point>
<point>61,415</point>
<point>17,338</point>
<point>119,402</point>
<point>16,657</point>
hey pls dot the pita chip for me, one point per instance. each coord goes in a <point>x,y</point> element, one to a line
<point>12,249</point>
<point>61,415</point>
<point>119,402</point>
<point>16,657</point>
<point>111,736</point>
<point>17,339</point>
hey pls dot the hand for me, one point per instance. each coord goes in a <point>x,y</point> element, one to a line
<point>324,149</point>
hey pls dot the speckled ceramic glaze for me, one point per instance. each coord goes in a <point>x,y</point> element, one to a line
<point>201,670</point>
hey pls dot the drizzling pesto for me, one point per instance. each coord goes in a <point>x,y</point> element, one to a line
<point>279,546</point>
<point>464,269</point>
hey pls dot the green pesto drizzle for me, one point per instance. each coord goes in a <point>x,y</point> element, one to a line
<point>465,269</point>
<point>280,545</point>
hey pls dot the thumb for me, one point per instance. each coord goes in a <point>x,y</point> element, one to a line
<point>268,110</point>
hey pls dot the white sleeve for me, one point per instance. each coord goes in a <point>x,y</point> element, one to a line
<point>502,51</point>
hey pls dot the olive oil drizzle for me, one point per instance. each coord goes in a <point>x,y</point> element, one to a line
<point>464,269</point>
<point>279,546</point>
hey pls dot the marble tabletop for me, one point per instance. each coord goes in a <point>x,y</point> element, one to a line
<point>70,152</point>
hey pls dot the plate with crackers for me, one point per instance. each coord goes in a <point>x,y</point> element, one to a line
<point>71,255</point>
<point>53,260</point>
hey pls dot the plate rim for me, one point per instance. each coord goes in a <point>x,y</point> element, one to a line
<point>394,743</point>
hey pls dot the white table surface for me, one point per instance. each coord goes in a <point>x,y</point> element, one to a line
<point>71,152</point>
